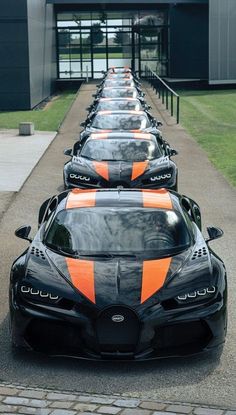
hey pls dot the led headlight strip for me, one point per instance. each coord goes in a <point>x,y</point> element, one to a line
<point>34,292</point>
<point>198,293</point>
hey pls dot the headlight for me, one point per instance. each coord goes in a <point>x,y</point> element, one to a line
<point>197,295</point>
<point>160,177</point>
<point>34,294</point>
<point>79,177</point>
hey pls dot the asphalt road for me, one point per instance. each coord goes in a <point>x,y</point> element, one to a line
<point>197,380</point>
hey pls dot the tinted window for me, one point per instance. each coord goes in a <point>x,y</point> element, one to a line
<point>121,75</point>
<point>119,70</point>
<point>120,121</point>
<point>119,92</point>
<point>119,105</point>
<point>121,149</point>
<point>124,230</point>
<point>119,82</point>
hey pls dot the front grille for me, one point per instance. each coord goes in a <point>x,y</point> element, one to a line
<point>53,337</point>
<point>121,184</point>
<point>183,338</point>
<point>114,336</point>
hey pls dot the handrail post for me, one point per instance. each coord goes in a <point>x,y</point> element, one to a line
<point>163,90</point>
<point>177,116</point>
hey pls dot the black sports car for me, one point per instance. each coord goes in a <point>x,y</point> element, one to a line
<point>117,83</point>
<point>112,104</point>
<point>111,92</point>
<point>120,159</point>
<point>108,121</point>
<point>118,69</point>
<point>118,274</point>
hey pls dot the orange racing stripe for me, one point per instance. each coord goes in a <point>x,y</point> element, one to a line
<point>138,169</point>
<point>79,198</point>
<point>101,168</point>
<point>142,135</point>
<point>154,275</point>
<point>157,199</point>
<point>82,276</point>
<point>96,136</point>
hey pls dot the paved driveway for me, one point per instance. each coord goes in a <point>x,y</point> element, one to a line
<point>197,380</point>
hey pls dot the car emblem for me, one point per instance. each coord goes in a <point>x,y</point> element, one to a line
<point>117,318</point>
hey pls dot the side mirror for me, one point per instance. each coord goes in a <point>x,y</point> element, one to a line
<point>89,108</point>
<point>68,152</point>
<point>159,123</point>
<point>83,124</point>
<point>23,232</point>
<point>172,152</point>
<point>149,107</point>
<point>94,95</point>
<point>214,233</point>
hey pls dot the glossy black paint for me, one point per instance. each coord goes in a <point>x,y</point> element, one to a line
<point>153,129</point>
<point>120,172</point>
<point>73,322</point>
<point>134,102</point>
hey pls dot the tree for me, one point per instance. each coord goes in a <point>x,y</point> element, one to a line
<point>118,39</point>
<point>121,38</point>
<point>96,35</point>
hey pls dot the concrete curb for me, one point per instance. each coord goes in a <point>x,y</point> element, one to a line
<point>16,399</point>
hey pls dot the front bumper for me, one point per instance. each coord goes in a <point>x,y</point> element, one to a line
<point>155,333</point>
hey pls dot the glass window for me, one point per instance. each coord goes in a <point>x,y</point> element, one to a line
<point>119,92</point>
<point>121,121</point>
<point>121,150</point>
<point>118,230</point>
<point>119,104</point>
<point>119,83</point>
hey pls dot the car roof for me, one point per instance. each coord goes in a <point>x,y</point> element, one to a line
<point>121,135</point>
<point>119,99</point>
<point>120,87</point>
<point>159,199</point>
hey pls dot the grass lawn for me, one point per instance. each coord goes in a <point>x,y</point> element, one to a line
<point>210,117</point>
<point>118,55</point>
<point>47,119</point>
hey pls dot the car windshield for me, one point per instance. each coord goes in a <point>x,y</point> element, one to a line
<point>145,231</point>
<point>121,150</point>
<point>119,92</point>
<point>124,104</point>
<point>121,121</point>
<point>118,82</point>
<point>122,75</point>
<point>119,70</point>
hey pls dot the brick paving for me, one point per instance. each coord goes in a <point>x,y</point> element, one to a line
<point>18,399</point>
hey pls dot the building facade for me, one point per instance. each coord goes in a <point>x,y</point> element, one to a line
<point>45,40</point>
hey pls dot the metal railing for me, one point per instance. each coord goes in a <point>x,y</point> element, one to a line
<point>165,93</point>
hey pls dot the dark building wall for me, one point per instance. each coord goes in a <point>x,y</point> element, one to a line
<point>222,37</point>
<point>42,50</point>
<point>189,41</point>
<point>14,68</point>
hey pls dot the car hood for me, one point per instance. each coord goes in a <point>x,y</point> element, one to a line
<point>118,171</point>
<point>119,280</point>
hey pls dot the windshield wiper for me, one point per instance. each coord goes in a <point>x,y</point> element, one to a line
<point>102,255</point>
<point>108,255</point>
<point>58,249</point>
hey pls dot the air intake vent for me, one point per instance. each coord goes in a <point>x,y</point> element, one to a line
<point>37,252</point>
<point>199,253</point>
